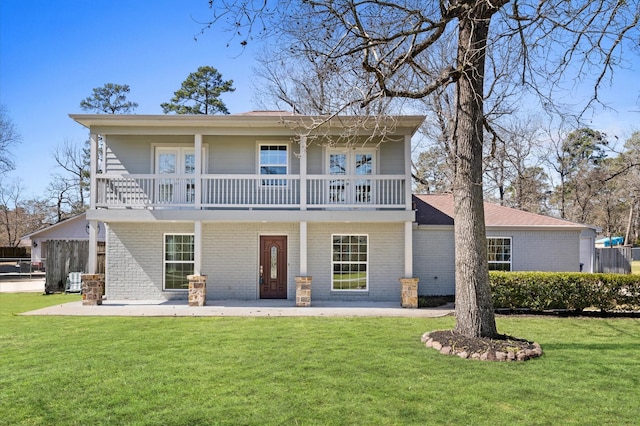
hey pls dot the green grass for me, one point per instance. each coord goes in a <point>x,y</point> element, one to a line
<point>308,371</point>
<point>635,267</point>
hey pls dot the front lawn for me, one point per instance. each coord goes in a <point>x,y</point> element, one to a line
<point>374,371</point>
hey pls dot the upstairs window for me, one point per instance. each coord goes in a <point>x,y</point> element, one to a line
<point>274,160</point>
<point>499,254</point>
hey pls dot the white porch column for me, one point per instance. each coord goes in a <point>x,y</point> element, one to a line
<point>103,147</point>
<point>303,173</point>
<point>407,172</point>
<point>93,247</point>
<point>198,171</point>
<point>408,249</point>
<point>303,249</point>
<point>93,170</point>
<point>197,247</point>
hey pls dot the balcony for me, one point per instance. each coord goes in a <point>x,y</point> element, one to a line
<point>236,191</point>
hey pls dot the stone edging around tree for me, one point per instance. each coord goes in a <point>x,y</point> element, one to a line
<point>505,348</point>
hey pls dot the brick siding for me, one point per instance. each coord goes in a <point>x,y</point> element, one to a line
<point>434,251</point>
<point>230,259</point>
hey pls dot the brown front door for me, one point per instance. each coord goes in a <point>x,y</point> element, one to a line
<point>273,267</point>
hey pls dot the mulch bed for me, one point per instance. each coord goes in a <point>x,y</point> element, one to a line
<point>500,348</point>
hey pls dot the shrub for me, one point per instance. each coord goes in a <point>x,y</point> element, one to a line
<point>564,290</point>
<point>434,301</point>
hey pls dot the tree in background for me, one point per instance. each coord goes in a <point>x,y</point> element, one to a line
<point>431,172</point>
<point>396,48</point>
<point>109,99</point>
<point>529,190</point>
<point>61,195</point>
<point>612,193</point>
<point>511,172</point>
<point>18,216</point>
<point>69,188</point>
<point>9,136</point>
<point>200,94</point>
<point>574,159</point>
<point>609,206</point>
<point>631,181</point>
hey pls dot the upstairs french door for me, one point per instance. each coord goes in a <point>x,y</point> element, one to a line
<point>176,164</point>
<point>355,165</point>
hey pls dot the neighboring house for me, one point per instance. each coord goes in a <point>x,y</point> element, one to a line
<point>75,228</point>
<point>516,241</point>
<point>63,248</point>
<point>252,201</point>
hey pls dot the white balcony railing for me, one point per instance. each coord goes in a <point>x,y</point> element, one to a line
<point>246,191</point>
<point>251,191</point>
<point>374,191</point>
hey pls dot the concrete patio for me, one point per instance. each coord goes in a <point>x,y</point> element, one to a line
<point>240,308</point>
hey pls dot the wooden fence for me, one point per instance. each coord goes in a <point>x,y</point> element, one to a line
<point>64,256</point>
<point>14,252</point>
<point>613,260</point>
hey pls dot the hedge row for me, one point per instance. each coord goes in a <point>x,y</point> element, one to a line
<point>541,291</point>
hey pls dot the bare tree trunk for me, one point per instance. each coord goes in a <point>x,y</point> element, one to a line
<point>474,307</point>
<point>627,241</point>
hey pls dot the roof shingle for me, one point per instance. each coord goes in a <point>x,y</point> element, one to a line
<point>437,209</point>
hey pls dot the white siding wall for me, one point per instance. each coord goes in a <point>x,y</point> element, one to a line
<point>226,154</point>
<point>391,158</point>
<point>315,159</point>
<point>133,154</point>
<point>229,154</point>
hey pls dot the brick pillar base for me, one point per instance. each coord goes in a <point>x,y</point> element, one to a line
<point>409,295</point>
<point>92,289</point>
<point>197,290</point>
<point>303,291</point>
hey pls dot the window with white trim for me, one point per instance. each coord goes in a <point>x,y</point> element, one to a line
<point>355,165</point>
<point>499,253</point>
<point>274,160</point>
<point>176,164</point>
<point>350,262</point>
<point>178,260</point>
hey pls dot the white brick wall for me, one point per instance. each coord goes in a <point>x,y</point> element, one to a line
<point>386,260</point>
<point>231,258</point>
<point>553,251</point>
<point>433,261</point>
<point>134,259</point>
<point>434,251</point>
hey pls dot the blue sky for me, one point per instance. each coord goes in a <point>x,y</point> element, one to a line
<point>53,53</point>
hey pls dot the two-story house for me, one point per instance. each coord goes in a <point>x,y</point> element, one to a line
<point>252,201</point>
